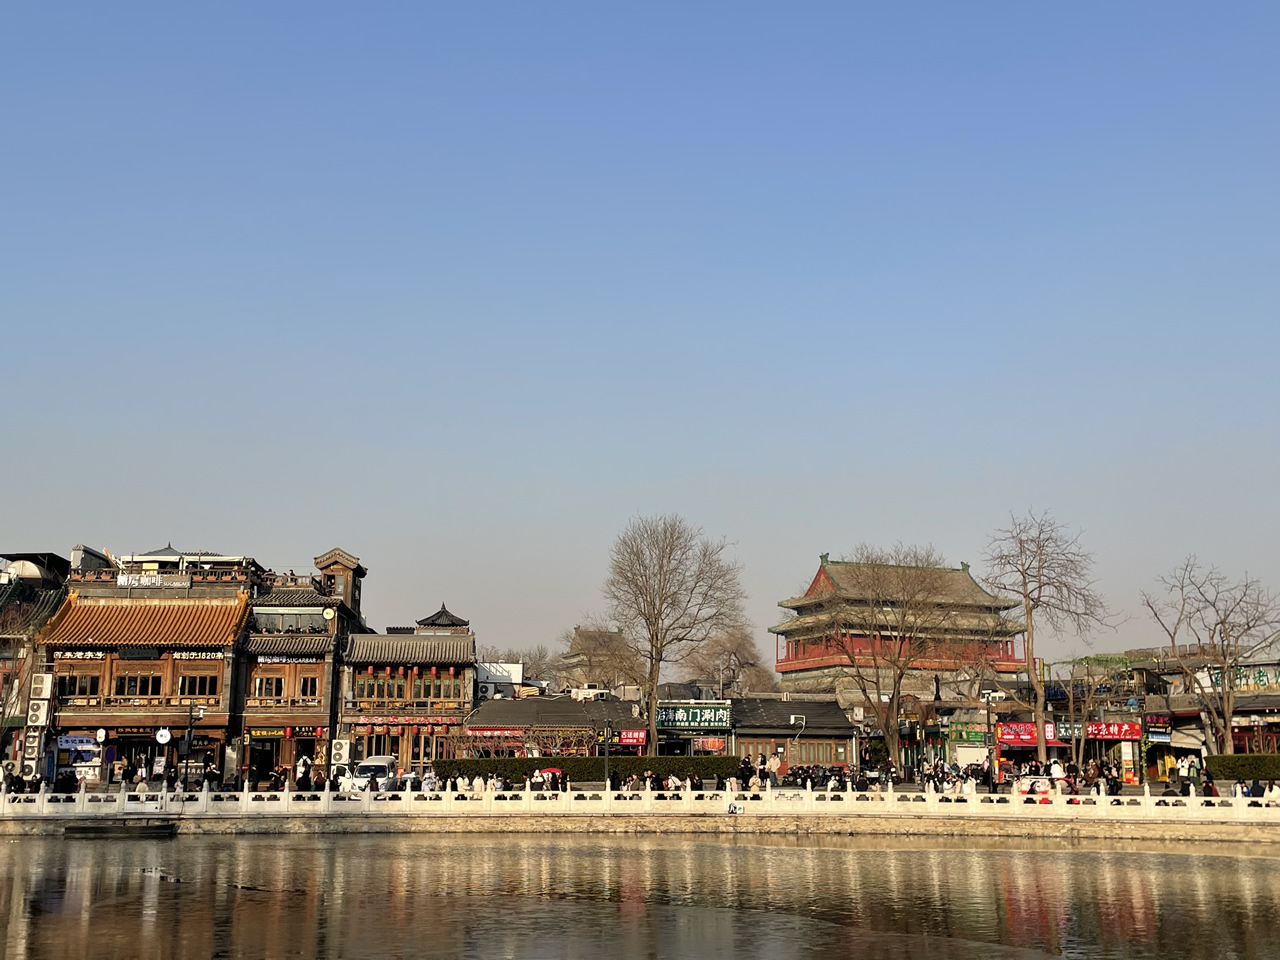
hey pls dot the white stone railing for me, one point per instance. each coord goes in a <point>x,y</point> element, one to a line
<point>528,802</point>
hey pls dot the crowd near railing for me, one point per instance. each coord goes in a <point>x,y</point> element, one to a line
<point>593,800</point>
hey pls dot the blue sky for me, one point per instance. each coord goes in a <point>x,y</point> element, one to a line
<point>462,290</point>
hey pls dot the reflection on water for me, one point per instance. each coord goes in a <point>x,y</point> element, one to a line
<point>595,897</point>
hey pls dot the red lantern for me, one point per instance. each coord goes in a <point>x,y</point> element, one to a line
<point>319,733</point>
<point>415,729</point>
<point>288,733</point>
<point>442,730</point>
<point>401,671</point>
<point>433,671</point>
<point>429,729</point>
<point>451,669</point>
<point>415,671</point>
<point>371,669</point>
<point>386,672</point>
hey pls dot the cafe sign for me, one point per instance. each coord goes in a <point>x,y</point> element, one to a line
<point>1159,727</point>
<point>693,716</point>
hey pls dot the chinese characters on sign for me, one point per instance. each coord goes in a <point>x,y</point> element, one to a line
<point>959,732</point>
<point>1023,734</point>
<point>690,716</point>
<point>1159,727</point>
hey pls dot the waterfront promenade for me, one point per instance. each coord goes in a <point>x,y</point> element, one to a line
<point>585,810</point>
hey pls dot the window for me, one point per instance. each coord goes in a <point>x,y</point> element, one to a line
<point>268,686</point>
<point>307,686</point>
<point>198,685</point>
<point>78,685</point>
<point>138,686</point>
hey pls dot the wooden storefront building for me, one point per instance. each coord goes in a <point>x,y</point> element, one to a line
<point>406,691</point>
<point>291,693</point>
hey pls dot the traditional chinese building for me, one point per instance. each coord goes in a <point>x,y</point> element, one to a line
<point>403,693</point>
<point>837,624</point>
<point>291,689</point>
<point>145,652</point>
<point>32,588</point>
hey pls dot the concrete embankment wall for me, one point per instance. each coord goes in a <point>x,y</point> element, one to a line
<point>888,826</point>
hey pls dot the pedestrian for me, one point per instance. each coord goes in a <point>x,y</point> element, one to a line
<point>211,777</point>
<point>773,766</point>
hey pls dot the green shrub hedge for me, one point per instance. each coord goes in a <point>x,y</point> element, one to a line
<point>1244,766</point>
<point>586,769</point>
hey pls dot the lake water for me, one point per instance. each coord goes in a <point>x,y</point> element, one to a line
<point>599,898</point>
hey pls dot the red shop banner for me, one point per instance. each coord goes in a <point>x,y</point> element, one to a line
<point>1023,734</point>
<point>633,738</point>
<point>1105,730</point>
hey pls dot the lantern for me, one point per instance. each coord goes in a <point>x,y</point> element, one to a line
<point>442,730</point>
<point>319,733</point>
<point>433,671</point>
<point>386,672</point>
<point>401,671</point>
<point>415,730</point>
<point>370,671</point>
<point>429,729</point>
<point>451,669</point>
<point>415,671</point>
<point>288,733</point>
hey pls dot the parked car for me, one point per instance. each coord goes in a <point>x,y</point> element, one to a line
<point>384,768</point>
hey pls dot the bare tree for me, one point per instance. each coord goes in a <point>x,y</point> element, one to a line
<point>1087,684</point>
<point>670,589</point>
<point>1041,562</point>
<point>1218,622</point>
<point>891,614</point>
<point>733,662</point>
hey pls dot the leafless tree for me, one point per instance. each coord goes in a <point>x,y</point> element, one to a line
<point>892,615</point>
<point>1211,623</point>
<point>670,589</point>
<point>1040,561</point>
<point>1088,683</point>
<point>733,662</point>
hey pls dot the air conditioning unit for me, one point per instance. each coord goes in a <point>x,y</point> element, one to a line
<point>339,751</point>
<point>41,686</point>
<point>28,769</point>
<point>31,747</point>
<point>38,713</point>
<point>485,689</point>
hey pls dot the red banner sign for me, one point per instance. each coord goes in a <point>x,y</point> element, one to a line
<point>633,738</point>
<point>1108,730</point>
<point>1023,734</point>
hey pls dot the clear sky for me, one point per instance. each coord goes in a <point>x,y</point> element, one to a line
<point>461,288</point>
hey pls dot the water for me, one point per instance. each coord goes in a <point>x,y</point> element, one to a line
<point>598,898</point>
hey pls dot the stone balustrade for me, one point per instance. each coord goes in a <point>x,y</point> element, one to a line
<point>782,802</point>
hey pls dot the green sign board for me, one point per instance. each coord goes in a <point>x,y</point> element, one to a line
<point>693,716</point>
<point>967,732</point>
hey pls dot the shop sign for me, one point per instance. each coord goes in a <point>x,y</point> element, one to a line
<point>1023,734</point>
<point>266,733</point>
<point>77,743</point>
<point>1159,727</point>
<point>1105,730</point>
<point>281,658</point>
<point>693,716</point>
<point>967,732</point>
<point>147,580</point>
<point>516,732</point>
<point>361,731</point>
<point>625,738</point>
<point>135,731</point>
<point>412,720</point>
<point>709,744</point>
<point>380,730</point>
<point>79,655</point>
<point>197,654</point>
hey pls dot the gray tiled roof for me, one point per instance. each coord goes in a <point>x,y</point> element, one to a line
<point>396,650</point>
<point>295,597</point>
<point>820,717</point>
<point>554,712</point>
<point>299,644</point>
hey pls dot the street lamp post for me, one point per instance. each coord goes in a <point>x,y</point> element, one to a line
<point>608,738</point>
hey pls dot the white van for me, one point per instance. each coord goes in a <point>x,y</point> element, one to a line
<point>384,768</point>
